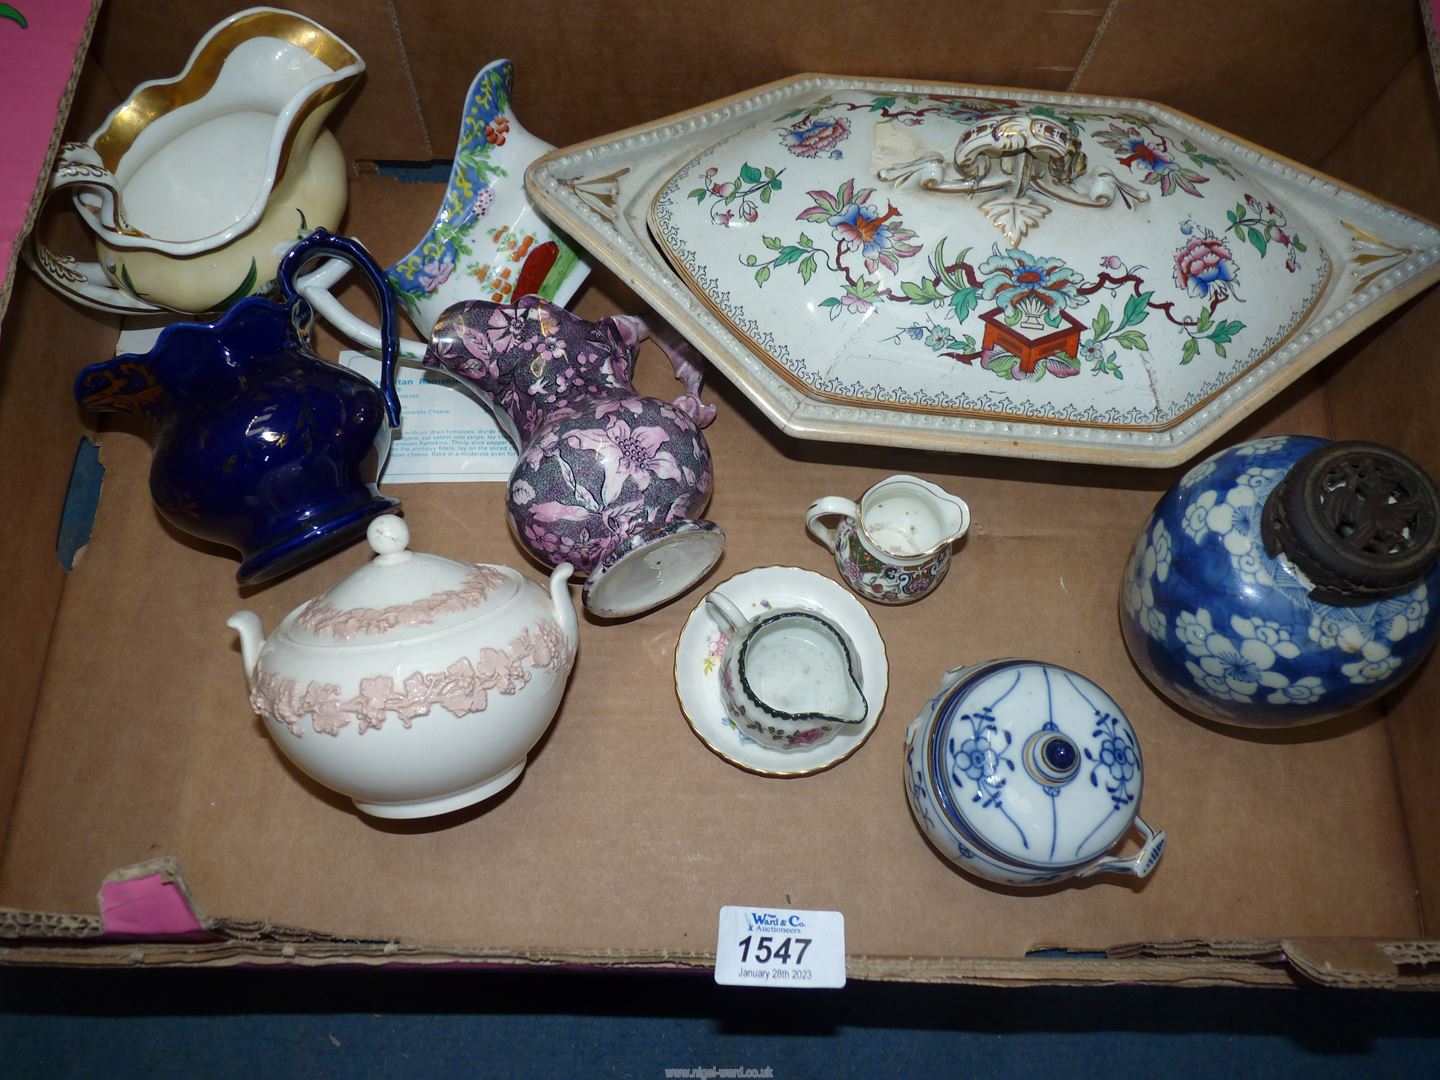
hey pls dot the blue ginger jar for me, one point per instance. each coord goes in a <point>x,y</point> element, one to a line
<point>1285,580</point>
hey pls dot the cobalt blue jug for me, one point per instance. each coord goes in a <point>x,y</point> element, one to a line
<point>259,444</point>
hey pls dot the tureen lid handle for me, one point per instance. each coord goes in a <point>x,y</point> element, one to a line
<point>389,536</point>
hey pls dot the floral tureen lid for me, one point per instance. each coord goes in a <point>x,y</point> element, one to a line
<point>400,595</point>
<point>1035,764</point>
<point>962,268</point>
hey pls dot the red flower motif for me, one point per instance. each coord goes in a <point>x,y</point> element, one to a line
<point>495,131</point>
<point>1205,268</point>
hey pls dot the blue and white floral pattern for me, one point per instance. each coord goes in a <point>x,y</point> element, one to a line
<point>1198,474</point>
<point>1257,447</point>
<point>1150,561</point>
<point>1231,632</point>
<point>973,783</point>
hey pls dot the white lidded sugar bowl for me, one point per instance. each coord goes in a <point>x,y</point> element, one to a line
<point>418,684</point>
<point>1026,773</point>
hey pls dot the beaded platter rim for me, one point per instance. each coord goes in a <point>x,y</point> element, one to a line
<point>580,187</point>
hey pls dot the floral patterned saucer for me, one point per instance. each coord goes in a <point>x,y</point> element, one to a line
<point>950,267</point>
<point>702,645</point>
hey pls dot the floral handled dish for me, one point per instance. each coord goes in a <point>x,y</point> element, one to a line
<point>1027,773</point>
<point>952,267</point>
<point>417,685</point>
<point>486,243</point>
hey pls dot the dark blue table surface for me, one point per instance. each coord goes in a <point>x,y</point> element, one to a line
<point>416,1023</point>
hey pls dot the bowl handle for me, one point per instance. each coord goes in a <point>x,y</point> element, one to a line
<point>78,165</point>
<point>315,287</point>
<point>726,614</point>
<point>830,506</point>
<point>321,242</point>
<point>682,356</point>
<point>1140,864</point>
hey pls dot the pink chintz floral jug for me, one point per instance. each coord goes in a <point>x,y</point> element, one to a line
<point>608,479</point>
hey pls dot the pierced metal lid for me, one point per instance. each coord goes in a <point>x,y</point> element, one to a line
<point>1361,521</point>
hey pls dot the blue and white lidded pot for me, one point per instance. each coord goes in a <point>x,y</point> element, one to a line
<point>1026,773</point>
<point>1285,580</point>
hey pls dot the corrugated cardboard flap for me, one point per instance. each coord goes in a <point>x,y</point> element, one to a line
<point>147,894</point>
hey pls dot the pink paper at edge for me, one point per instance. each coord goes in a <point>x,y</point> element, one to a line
<point>36,63</point>
<point>151,907</point>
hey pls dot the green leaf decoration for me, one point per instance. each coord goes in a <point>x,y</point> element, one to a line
<point>765,194</point>
<point>125,280</point>
<point>789,255</point>
<point>1132,339</point>
<point>698,195</point>
<point>1102,321</point>
<point>750,260</point>
<point>241,292</point>
<point>923,293</point>
<point>774,243</point>
<point>1203,323</point>
<point>807,268</point>
<point>775,184</point>
<point>805,241</point>
<point>749,173</point>
<point>8,12</point>
<point>1188,353</point>
<point>829,301</point>
<point>964,302</point>
<point>1295,240</point>
<point>762,275</point>
<point>1225,331</point>
<point>1220,351</point>
<point>1136,310</point>
<point>1257,238</point>
<point>1012,317</point>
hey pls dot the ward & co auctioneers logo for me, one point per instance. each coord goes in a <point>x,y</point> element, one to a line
<point>772,923</point>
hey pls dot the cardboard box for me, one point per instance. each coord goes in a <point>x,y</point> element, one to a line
<point>132,767</point>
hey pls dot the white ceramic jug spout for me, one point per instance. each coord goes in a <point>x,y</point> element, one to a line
<point>564,604</point>
<point>954,515</point>
<point>252,639</point>
<point>856,707</point>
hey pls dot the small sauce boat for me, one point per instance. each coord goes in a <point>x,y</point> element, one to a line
<point>197,185</point>
<point>789,679</point>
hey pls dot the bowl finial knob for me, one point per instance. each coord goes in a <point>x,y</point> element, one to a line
<point>388,535</point>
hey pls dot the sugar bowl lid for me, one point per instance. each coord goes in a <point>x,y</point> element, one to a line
<point>400,594</point>
<point>1034,764</point>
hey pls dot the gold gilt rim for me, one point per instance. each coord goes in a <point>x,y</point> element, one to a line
<point>790,774</point>
<point>677,266</point>
<point>150,102</point>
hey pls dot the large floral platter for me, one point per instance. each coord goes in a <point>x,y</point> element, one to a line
<point>1005,272</point>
